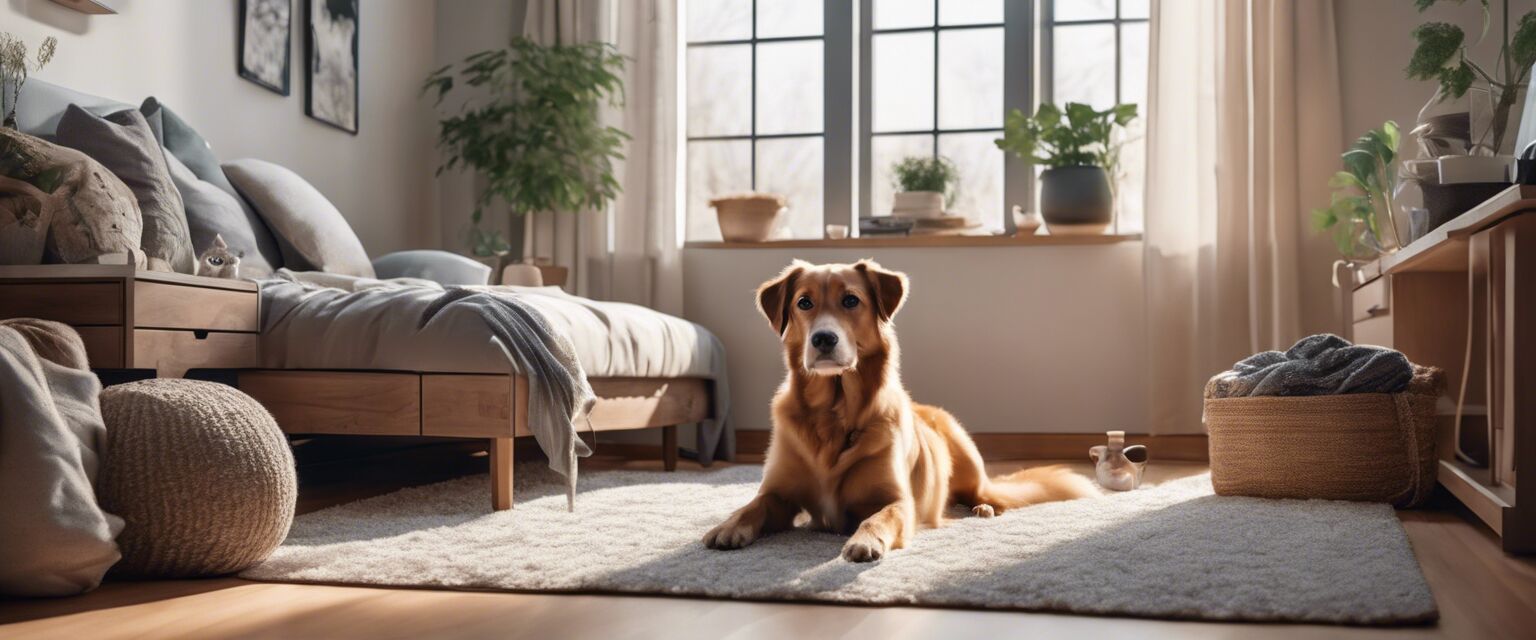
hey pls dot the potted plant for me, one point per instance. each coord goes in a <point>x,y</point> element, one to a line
<point>1361,203</point>
<point>922,184</point>
<point>747,217</point>
<point>537,138</point>
<point>1442,56</point>
<point>1077,143</point>
<point>15,66</point>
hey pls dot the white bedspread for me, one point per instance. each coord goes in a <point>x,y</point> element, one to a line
<point>325,321</point>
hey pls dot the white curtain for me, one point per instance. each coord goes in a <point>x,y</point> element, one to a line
<point>1232,265</point>
<point>630,252</point>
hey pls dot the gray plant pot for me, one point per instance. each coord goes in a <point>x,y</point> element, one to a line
<point>1076,197</point>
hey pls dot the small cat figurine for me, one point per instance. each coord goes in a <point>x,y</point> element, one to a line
<point>217,261</point>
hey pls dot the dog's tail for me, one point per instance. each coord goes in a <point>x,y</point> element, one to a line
<point>1034,486</point>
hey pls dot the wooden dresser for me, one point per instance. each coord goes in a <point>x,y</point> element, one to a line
<point>169,322</point>
<point>1454,299</point>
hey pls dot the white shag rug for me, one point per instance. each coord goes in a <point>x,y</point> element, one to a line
<point>1174,550</point>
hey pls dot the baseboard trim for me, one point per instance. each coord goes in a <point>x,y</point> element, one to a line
<point>1043,446</point>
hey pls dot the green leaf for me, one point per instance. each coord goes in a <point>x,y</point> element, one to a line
<point>1522,45</point>
<point>1439,43</point>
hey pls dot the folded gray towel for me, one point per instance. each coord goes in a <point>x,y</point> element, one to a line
<point>1324,364</point>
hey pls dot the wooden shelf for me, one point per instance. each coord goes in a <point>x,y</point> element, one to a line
<point>923,241</point>
<point>56,272</point>
<point>1445,248</point>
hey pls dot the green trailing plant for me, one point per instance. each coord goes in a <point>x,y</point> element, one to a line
<point>924,173</point>
<point>1077,136</point>
<point>538,139</point>
<point>1441,56</point>
<point>1362,196</point>
<point>15,66</point>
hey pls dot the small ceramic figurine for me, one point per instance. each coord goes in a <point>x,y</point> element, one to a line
<point>218,261</point>
<point>1117,466</point>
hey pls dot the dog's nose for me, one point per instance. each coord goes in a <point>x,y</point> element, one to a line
<point>824,341</point>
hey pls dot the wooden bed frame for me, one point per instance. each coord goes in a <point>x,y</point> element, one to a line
<point>172,323</point>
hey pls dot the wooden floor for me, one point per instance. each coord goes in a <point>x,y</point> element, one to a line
<point>1482,593</point>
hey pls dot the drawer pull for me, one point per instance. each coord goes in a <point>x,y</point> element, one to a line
<point>200,334</point>
<point>1376,310</point>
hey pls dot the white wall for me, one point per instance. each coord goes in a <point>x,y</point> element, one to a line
<point>1009,339</point>
<point>183,52</point>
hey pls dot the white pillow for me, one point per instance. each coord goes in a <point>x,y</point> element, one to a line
<point>312,232</point>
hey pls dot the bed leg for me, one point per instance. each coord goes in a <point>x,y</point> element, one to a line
<point>669,447</point>
<point>501,473</point>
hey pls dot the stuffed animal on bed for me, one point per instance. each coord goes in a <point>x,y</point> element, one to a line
<point>217,261</point>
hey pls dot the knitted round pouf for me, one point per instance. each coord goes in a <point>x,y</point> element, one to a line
<point>199,472</point>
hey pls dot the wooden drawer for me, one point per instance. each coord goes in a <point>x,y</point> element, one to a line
<point>104,346</point>
<point>171,353</point>
<point>338,402</point>
<point>1372,300</point>
<point>77,303</point>
<point>1375,331</point>
<point>471,406</point>
<point>157,305</point>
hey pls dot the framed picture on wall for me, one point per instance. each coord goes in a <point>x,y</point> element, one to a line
<point>331,75</point>
<point>265,28</point>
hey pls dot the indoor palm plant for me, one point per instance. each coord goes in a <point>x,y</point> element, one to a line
<point>923,184</point>
<point>1361,203</point>
<point>1078,146</point>
<point>537,138</point>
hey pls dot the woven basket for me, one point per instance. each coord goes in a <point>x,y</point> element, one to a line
<point>747,217</point>
<point>1375,447</point>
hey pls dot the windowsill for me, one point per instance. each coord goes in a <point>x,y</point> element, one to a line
<point>922,241</point>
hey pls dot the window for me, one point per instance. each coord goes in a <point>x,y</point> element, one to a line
<point>815,101</point>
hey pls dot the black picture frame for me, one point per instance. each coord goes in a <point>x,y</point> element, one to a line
<point>322,20</point>
<point>246,66</point>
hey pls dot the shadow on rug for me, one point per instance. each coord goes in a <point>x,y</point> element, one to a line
<point>1174,550</point>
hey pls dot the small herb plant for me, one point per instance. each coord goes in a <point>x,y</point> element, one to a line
<point>538,139</point>
<point>1079,136</point>
<point>1362,196</point>
<point>1441,55</point>
<point>924,173</point>
<point>15,65</point>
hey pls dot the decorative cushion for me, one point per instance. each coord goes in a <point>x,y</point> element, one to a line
<point>59,204</point>
<point>211,213</point>
<point>125,145</point>
<point>57,541</point>
<point>55,342</point>
<point>245,233</point>
<point>441,267</point>
<point>199,472</point>
<point>311,232</point>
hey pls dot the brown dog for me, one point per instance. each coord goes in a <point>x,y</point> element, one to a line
<point>849,446</point>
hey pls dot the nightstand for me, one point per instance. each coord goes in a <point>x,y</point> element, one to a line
<point>169,322</point>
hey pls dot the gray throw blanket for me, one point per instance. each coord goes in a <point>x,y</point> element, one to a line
<point>1324,364</point>
<point>558,391</point>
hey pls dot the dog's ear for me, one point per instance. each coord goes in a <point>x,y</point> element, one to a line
<point>773,296</point>
<point>889,287</point>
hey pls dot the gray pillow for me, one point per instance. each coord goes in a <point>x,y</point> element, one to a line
<point>305,222</point>
<point>442,267</point>
<point>125,145</point>
<point>182,141</point>
<point>211,213</point>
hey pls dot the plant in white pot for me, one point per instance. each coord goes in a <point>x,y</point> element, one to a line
<point>923,184</point>
<point>1077,193</point>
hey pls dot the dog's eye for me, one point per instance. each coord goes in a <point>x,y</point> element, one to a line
<point>216,261</point>
<point>850,301</point>
<point>804,303</point>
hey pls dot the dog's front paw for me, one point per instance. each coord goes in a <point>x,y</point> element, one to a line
<point>983,511</point>
<point>863,549</point>
<point>731,534</point>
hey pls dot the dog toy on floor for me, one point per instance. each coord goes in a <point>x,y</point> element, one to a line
<point>1117,466</point>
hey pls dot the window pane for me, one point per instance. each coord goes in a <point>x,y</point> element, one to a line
<point>1134,9</point>
<point>789,87</point>
<point>979,195</point>
<point>786,18</point>
<point>1083,10</point>
<point>792,167</point>
<point>902,14</point>
<point>1084,66</point>
<point>884,152</point>
<point>720,90</point>
<point>719,20</point>
<point>715,168</point>
<point>1132,179</point>
<point>1133,64</point>
<point>903,82</point>
<point>971,79</point>
<point>970,12</point>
